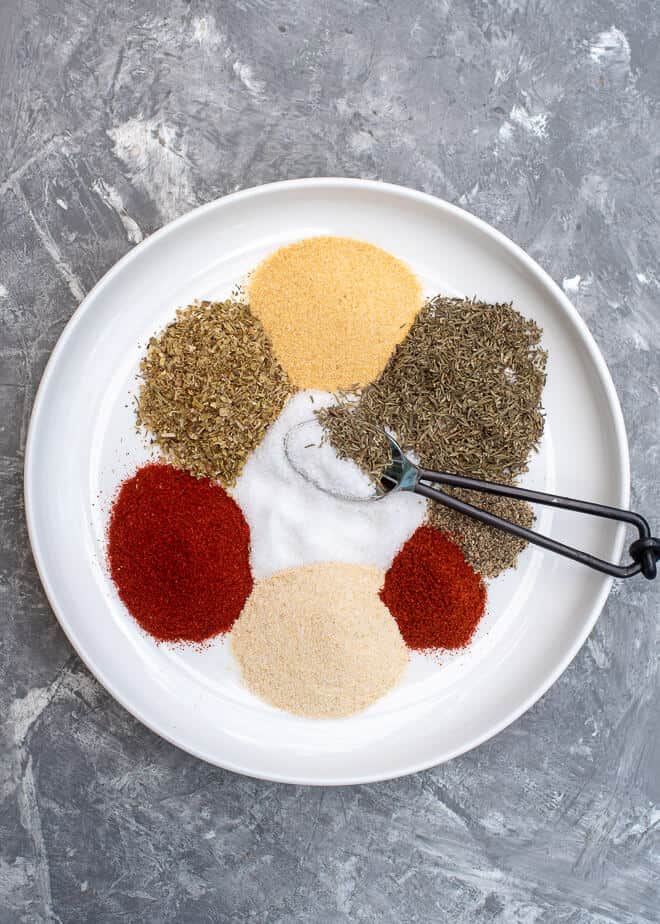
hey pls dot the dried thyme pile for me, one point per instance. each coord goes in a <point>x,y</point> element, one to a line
<point>463,390</point>
<point>211,388</point>
<point>490,551</point>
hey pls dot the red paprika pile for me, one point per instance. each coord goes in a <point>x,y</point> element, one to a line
<point>436,598</point>
<point>178,552</point>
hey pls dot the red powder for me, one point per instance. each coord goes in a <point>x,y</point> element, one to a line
<point>434,595</point>
<point>178,552</point>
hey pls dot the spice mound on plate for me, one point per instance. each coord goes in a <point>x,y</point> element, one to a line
<point>434,595</point>
<point>490,551</point>
<point>211,388</point>
<point>463,391</point>
<point>178,554</point>
<point>334,309</point>
<point>317,641</point>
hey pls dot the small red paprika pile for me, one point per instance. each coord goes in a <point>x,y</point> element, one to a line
<point>436,598</point>
<point>178,553</point>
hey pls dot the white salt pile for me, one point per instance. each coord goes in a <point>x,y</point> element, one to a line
<point>293,523</point>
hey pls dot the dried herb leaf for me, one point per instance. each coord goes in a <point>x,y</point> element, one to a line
<point>490,551</point>
<point>211,388</point>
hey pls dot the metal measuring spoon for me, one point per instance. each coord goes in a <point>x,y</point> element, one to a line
<point>402,474</point>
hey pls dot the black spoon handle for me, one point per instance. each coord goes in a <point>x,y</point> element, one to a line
<point>644,551</point>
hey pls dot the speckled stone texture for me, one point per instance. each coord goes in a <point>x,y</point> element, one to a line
<point>542,118</point>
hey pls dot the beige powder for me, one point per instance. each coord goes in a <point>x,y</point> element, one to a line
<point>334,309</point>
<point>317,640</point>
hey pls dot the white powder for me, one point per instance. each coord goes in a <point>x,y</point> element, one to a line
<point>294,523</point>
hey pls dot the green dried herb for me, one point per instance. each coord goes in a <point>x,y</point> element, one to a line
<point>211,388</point>
<point>490,551</point>
<point>463,390</point>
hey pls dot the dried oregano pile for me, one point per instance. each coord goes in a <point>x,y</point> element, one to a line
<point>463,390</point>
<point>211,388</point>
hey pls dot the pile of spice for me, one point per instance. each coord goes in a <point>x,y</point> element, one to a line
<point>334,309</point>
<point>490,551</point>
<point>293,523</point>
<point>211,388</point>
<point>317,641</point>
<point>178,554</point>
<point>463,390</point>
<point>435,596</point>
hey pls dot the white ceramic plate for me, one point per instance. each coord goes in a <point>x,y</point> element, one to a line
<point>82,443</point>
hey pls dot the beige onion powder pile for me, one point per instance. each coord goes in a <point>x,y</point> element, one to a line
<point>318,642</point>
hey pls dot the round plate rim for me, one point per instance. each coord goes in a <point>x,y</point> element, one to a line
<point>533,267</point>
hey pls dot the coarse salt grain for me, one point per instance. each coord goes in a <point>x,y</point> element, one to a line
<point>293,523</point>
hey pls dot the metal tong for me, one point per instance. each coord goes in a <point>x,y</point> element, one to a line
<point>403,475</point>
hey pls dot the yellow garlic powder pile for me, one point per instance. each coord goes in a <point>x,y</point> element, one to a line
<point>334,309</point>
<point>317,640</point>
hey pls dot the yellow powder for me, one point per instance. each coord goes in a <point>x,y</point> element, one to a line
<point>334,309</point>
<point>318,641</point>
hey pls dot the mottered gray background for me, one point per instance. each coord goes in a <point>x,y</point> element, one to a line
<point>540,116</point>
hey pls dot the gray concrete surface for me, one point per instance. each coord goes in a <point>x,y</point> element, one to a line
<point>542,118</point>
